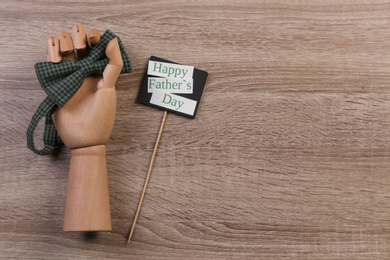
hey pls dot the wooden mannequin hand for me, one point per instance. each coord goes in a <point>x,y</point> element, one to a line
<point>87,119</point>
<point>85,124</point>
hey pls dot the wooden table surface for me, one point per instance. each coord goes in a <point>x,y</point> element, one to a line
<point>288,157</point>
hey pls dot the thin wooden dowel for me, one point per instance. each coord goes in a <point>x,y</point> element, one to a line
<point>147,177</point>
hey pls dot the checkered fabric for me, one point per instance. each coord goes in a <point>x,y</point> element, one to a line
<point>61,81</point>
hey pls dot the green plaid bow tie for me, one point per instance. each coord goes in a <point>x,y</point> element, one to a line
<point>61,81</point>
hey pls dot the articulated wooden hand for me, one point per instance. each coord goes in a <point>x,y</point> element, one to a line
<point>85,124</point>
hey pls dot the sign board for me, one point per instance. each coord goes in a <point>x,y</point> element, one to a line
<point>172,87</point>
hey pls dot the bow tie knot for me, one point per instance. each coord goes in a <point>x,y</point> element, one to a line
<point>61,80</point>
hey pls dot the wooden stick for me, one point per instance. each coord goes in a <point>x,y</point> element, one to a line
<point>147,177</point>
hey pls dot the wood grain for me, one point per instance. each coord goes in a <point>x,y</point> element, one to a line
<point>288,158</point>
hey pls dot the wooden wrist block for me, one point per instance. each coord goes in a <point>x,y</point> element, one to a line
<point>87,200</point>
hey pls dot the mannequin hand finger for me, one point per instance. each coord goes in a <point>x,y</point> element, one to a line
<point>93,37</point>
<point>53,49</point>
<point>79,41</point>
<point>114,68</point>
<point>113,52</point>
<point>66,46</point>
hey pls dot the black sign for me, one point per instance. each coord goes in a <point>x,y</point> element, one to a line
<point>165,95</point>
